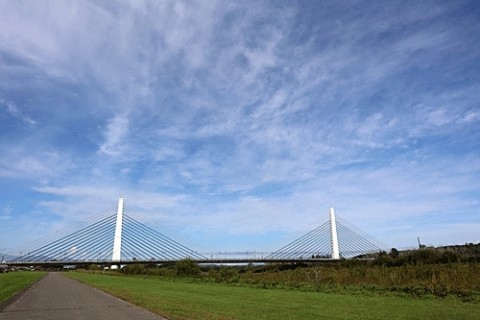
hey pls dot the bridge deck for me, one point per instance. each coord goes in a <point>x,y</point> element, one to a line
<point>159,262</point>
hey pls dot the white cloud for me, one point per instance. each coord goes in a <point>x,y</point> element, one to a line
<point>13,110</point>
<point>471,116</point>
<point>24,162</point>
<point>116,134</point>
<point>214,114</point>
<point>439,117</point>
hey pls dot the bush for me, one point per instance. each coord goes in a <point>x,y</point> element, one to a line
<point>134,269</point>
<point>187,267</point>
<point>93,267</point>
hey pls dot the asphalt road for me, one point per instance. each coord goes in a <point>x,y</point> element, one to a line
<point>56,297</point>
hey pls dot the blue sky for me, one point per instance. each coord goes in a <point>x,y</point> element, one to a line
<point>238,124</point>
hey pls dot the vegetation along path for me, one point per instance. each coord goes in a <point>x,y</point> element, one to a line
<point>14,282</point>
<point>183,299</point>
<point>57,297</point>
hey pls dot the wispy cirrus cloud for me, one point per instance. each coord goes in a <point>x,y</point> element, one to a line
<point>215,113</point>
<point>15,113</point>
<point>115,134</point>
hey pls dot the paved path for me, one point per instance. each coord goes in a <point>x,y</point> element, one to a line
<point>57,297</point>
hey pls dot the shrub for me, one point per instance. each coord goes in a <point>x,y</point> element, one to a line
<point>187,267</point>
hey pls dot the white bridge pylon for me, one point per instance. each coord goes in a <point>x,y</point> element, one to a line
<point>334,236</point>
<point>117,239</point>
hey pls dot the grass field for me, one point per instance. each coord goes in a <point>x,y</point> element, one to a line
<point>13,282</point>
<point>181,299</point>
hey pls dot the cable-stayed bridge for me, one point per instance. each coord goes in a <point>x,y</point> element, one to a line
<point>334,239</point>
<point>121,239</point>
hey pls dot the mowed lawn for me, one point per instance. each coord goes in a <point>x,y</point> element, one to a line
<point>179,299</point>
<point>13,282</point>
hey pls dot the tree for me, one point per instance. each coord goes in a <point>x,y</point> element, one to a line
<point>394,253</point>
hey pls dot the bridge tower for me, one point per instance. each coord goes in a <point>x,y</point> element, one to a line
<point>117,240</point>
<point>334,236</point>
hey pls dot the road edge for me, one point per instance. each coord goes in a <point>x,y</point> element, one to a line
<point>142,308</point>
<point>12,299</point>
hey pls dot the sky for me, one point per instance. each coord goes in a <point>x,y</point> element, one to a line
<point>236,125</point>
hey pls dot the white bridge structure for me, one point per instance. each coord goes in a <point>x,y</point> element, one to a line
<point>120,238</point>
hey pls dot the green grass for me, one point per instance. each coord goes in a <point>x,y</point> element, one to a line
<point>181,299</point>
<point>13,282</point>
